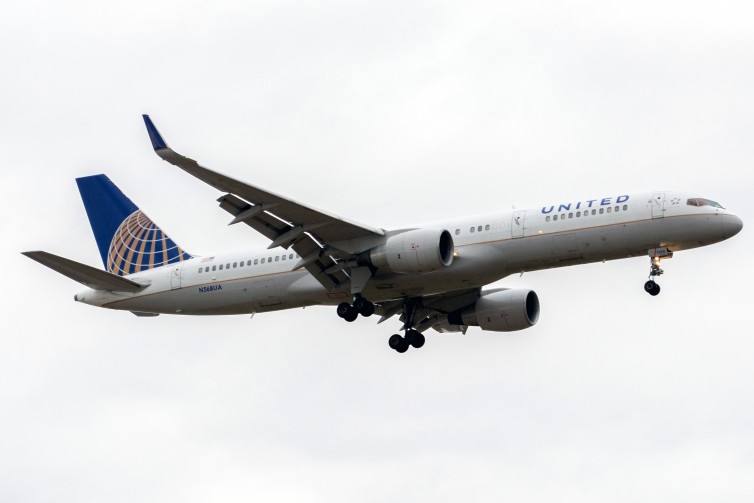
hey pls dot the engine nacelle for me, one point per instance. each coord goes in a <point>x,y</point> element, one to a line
<point>420,250</point>
<point>500,311</point>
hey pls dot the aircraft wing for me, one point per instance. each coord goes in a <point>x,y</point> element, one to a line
<point>92,277</point>
<point>319,238</point>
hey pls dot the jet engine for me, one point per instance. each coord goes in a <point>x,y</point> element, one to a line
<point>500,310</point>
<point>420,250</point>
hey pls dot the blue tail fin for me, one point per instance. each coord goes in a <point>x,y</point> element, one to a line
<point>128,240</point>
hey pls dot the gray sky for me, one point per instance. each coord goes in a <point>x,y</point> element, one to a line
<point>388,114</point>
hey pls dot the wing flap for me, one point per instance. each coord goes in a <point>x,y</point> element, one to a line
<point>316,258</point>
<point>92,277</point>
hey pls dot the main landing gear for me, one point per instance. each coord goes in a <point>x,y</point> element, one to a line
<point>360,306</point>
<point>413,337</point>
<point>655,256</point>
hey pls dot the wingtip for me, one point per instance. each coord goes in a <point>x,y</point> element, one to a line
<point>154,136</point>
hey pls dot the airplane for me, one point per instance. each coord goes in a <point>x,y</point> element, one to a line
<point>431,276</point>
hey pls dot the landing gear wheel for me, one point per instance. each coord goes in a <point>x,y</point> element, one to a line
<point>351,315</point>
<point>363,306</point>
<point>415,338</point>
<point>398,343</point>
<point>343,309</point>
<point>403,346</point>
<point>651,288</point>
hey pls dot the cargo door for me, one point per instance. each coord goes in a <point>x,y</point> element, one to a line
<point>266,293</point>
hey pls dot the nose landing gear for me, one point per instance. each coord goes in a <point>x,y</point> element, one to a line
<point>656,255</point>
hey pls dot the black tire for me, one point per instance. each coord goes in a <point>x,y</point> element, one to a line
<point>367,310</point>
<point>359,302</point>
<point>394,341</point>
<point>415,338</point>
<point>655,291</point>
<point>649,287</point>
<point>343,309</point>
<point>403,347</point>
<point>351,315</point>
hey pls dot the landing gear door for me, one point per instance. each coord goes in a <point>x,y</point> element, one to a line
<point>266,293</point>
<point>658,205</point>
<point>517,224</point>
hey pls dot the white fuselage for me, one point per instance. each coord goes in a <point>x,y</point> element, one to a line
<point>487,248</point>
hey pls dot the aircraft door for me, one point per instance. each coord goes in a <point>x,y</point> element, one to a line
<point>658,205</point>
<point>517,224</point>
<point>175,276</point>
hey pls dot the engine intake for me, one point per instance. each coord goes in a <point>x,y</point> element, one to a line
<point>420,250</point>
<point>500,311</point>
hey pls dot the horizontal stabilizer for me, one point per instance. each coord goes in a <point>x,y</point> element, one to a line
<point>92,277</point>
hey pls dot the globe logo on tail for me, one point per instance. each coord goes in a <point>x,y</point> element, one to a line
<point>139,244</point>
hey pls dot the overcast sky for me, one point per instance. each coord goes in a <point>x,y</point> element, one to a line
<point>388,113</point>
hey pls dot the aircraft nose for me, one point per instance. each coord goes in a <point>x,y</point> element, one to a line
<point>733,225</point>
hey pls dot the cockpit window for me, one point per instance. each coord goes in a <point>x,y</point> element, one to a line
<point>700,201</point>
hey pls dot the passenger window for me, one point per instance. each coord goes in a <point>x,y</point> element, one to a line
<point>625,207</point>
<point>570,215</point>
<point>594,212</point>
<point>290,256</point>
<point>555,217</point>
<point>487,227</point>
<point>200,270</point>
<point>617,208</point>
<point>214,267</point>
<point>602,210</point>
<point>256,261</point>
<point>227,266</point>
<point>235,264</point>
<point>471,230</point>
<point>240,264</point>
<point>277,258</point>
<point>609,209</point>
<point>221,267</point>
<point>458,231</point>
<point>547,218</point>
<point>263,261</point>
<point>284,257</point>
<point>578,213</point>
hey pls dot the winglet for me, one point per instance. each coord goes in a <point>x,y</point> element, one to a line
<point>154,136</point>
